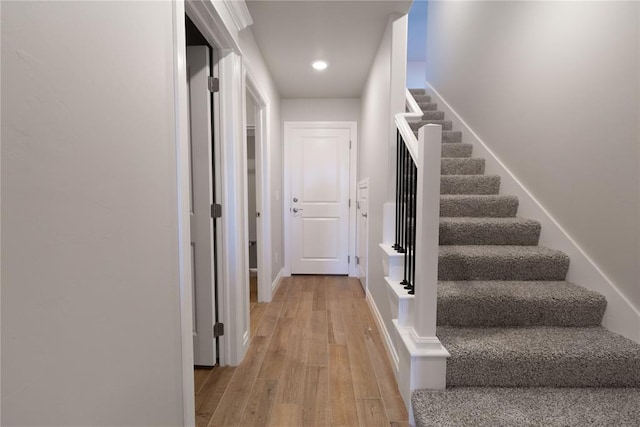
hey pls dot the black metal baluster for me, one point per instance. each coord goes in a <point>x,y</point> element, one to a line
<point>396,245</point>
<point>412,259</point>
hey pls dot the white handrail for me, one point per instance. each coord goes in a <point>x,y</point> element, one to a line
<point>402,123</point>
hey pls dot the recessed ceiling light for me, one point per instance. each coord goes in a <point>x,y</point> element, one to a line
<point>319,65</point>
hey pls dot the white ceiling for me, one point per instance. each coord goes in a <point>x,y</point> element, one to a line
<point>291,34</point>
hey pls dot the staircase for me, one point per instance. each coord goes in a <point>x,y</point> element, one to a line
<point>526,346</point>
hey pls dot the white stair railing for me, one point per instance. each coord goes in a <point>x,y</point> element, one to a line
<point>422,358</point>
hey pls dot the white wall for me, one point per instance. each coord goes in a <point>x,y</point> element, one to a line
<point>329,109</point>
<point>374,150</point>
<point>553,88</point>
<point>90,275</point>
<point>256,64</point>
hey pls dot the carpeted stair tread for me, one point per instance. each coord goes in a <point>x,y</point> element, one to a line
<point>540,356</point>
<point>478,206</point>
<point>421,99</point>
<point>518,303</point>
<point>469,184</point>
<point>428,106</point>
<point>489,231</point>
<point>462,166</point>
<point>446,124</point>
<point>487,262</point>
<point>433,115</point>
<point>456,150</point>
<point>417,91</point>
<point>527,407</point>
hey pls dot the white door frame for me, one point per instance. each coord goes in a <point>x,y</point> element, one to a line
<point>212,19</point>
<point>353,169</point>
<point>263,181</point>
<point>363,185</point>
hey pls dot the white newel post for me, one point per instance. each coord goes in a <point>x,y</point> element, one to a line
<point>427,231</point>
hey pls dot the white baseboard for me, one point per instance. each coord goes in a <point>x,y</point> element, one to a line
<point>276,282</point>
<point>392,354</point>
<point>621,316</point>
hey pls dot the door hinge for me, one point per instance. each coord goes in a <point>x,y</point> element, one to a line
<point>218,330</point>
<point>349,259</point>
<point>214,84</point>
<point>216,211</point>
<point>357,204</point>
<point>349,144</point>
<point>349,202</point>
<point>357,260</point>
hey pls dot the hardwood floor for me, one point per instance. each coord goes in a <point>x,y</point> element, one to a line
<point>316,359</point>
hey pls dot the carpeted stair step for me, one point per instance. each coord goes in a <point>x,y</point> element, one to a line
<point>487,262</point>
<point>508,407</point>
<point>433,115</point>
<point>462,166</point>
<point>469,184</point>
<point>508,303</point>
<point>456,150</point>
<point>478,206</point>
<point>451,136</point>
<point>540,356</point>
<point>417,91</point>
<point>421,99</point>
<point>489,231</point>
<point>428,106</point>
<point>446,124</point>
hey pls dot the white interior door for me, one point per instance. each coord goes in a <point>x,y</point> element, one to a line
<point>202,253</point>
<point>319,200</point>
<point>362,231</point>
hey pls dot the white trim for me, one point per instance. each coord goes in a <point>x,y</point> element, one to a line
<point>263,178</point>
<point>621,316</point>
<point>402,123</point>
<point>211,24</point>
<point>239,13</point>
<point>183,206</point>
<point>363,184</point>
<point>277,281</point>
<point>353,177</point>
<point>392,354</point>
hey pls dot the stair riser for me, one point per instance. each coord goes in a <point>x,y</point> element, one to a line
<point>543,372</point>
<point>421,99</point>
<point>433,115</point>
<point>466,166</point>
<point>454,267</point>
<point>490,234</point>
<point>452,136</point>
<point>470,206</point>
<point>470,184</point>
<point>428,106</point>
<point>456,150</point>
<point>517,312</point>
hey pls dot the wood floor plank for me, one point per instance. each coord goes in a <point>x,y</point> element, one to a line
<point>316,397</point>
<point>255,315</point>
<point>211,393</point>
<point>282,292</point>
<point>269,319</point>
<point>200,377</point>
<point>318,341</point>
<point>399,424</point>
<point>286,415</point>
<point>320,294</point>
<point>276,357</point>
<point>292,377</point>
<point>371,412</point>
<point>260,404</point>
<point>342,405</point>
<point>235,398</point>
<point>364,383</point>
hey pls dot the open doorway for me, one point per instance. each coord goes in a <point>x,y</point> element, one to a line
<point>258,200</point>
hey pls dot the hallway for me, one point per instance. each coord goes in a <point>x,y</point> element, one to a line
<point>316,358</point>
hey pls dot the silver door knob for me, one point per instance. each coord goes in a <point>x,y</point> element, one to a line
<point>295,210</point>
<point>295,199</point>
